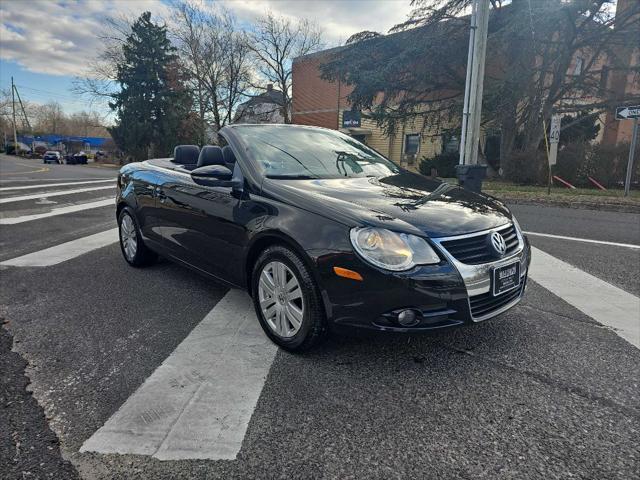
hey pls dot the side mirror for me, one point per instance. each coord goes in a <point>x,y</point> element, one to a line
<point>212,172</point>
<point>215,176</point>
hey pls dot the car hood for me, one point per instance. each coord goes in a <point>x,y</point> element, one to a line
<point>405,201</point>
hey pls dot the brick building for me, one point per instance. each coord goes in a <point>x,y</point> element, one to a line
<point>323,103</point>
<point>623,84</point>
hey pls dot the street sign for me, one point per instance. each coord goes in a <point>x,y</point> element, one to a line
<point>630,111</point>
<point>554,138</point>
<point>351,119</point>
<point>554,129</point>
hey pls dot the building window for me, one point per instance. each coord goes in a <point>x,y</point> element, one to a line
<point>578,68</point>
<point>450,144</point>
<point>604,79</point>
<point>411,143</point>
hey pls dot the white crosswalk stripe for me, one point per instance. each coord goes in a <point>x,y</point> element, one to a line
<point>49,185</point>
<point>585,240</point>
<point>65,251</point>
<point>600,300</point>
<point>53,194</point>
<point>198,403</point>
<point>57,211</point>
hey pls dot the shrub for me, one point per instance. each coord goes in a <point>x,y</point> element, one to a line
<point>608,164</point>
<point>445,164</point>
<point>573,163</point>
<point>526,168</point>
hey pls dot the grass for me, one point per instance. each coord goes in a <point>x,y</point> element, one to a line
<point>501,187</point>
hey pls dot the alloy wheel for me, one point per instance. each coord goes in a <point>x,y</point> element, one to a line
<point>128,237</point>
<point>281,300</point>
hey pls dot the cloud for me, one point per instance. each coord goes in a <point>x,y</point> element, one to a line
<point>339,19</point>
<point>60,37</point>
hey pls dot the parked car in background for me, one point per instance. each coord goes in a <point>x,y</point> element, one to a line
<point>51,156</point>
<point>324,232</point>
<point>79,158</point>
<point>23,149</point>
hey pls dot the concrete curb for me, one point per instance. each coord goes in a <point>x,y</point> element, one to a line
<point>579,202</point>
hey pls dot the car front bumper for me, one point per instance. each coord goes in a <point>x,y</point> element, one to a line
<point>445,295</point>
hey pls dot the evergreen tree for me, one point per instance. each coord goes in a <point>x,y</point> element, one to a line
<point>152,104</point>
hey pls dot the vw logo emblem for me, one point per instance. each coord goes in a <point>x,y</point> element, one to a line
<point>497,243</point>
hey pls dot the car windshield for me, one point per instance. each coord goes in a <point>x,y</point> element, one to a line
<point>300,152</point>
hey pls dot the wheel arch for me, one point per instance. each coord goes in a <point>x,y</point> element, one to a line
<point>121,205</point>
<point>266,240</point>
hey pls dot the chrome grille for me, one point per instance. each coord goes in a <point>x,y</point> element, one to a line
<point>486,304</point>
<point>475,250</point>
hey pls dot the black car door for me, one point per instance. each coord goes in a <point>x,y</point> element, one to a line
<point>202,225</point>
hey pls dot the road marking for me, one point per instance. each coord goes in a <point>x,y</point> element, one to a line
<point>7,181</point>
<point>53,194</point>
<point>586,240</point>
<point>39,170</point>
<point>605,303</point>
<point>198,403</point>
<point>65,251</point>
<point>47,185</point>
<point>57,211</point>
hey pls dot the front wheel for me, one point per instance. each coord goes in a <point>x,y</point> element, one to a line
<point>287,300</point>
<point>135,252</point>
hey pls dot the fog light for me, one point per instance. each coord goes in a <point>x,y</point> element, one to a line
<point>407,318</point>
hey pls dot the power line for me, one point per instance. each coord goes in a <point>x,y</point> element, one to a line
<point>57,94</point>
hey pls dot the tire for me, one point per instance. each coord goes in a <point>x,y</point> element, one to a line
<point>134,251</point>
<point>313,327</point>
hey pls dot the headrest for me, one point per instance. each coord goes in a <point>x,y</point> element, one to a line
<point>229,156</point>
<point>211,155</point>
<point>186,154</point>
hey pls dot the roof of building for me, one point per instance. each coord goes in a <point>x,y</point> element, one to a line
<point>53,138</point>
<point>270,96</point>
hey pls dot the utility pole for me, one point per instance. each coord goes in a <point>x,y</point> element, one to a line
<point>24,115</point>
<point>470,174</point>
<point>13,105</point>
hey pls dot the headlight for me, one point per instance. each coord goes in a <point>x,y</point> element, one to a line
<point>392,251</point>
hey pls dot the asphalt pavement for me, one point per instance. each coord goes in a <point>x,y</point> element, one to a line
<point>543,391</point>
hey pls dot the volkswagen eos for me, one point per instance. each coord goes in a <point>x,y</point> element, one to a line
<point>323,232</point>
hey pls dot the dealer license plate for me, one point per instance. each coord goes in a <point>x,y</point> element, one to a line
<point>506,278</point>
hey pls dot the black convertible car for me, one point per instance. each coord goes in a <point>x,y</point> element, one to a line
<point>324,232</point>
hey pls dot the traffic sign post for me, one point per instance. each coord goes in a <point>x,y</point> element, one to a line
<point>627,113</point>
<point>552,145</point>
<point>554,138</point>
<point>632,151</point>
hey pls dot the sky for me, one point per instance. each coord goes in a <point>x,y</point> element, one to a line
<point>44,44</point>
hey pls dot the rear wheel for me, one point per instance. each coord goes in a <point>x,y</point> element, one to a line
<point>135,252</point>
<point>287,300</point>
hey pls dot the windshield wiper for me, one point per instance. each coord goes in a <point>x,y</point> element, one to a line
<point>292,177</point>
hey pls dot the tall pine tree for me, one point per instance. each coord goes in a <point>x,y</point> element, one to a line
<point>151,106</point>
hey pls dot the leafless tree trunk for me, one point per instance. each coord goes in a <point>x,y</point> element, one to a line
<point>275,42</point>
<point>215,53</point>
<point>191,38</point>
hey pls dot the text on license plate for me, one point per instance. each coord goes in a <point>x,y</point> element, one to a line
<point>506,277</point>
